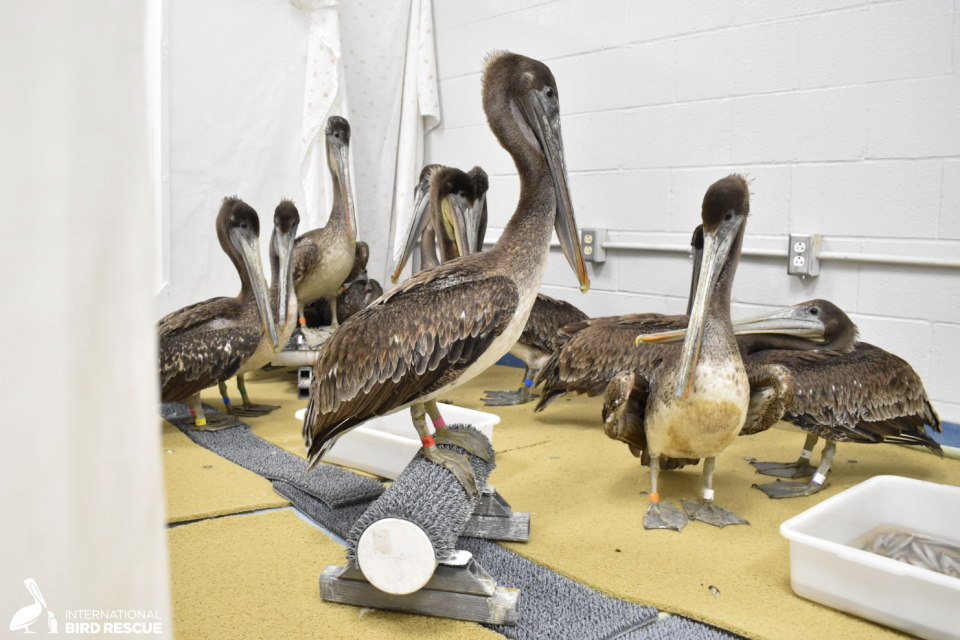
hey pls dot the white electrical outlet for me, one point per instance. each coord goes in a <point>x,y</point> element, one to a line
<point>803,255</point>
<point>591,243</point>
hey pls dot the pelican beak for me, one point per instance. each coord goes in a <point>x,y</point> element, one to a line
<point>542,114</point>
<point>341,157</point>
<point>789,321</point>
<point>247,243</point>
<point>421,206</point>
<point>460,222</point>
<point>283,243</point>
<point>716,248</point>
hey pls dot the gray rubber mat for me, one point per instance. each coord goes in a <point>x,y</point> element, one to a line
<point>338,520</point>
<point>335,486</point>
<point>551,606</point>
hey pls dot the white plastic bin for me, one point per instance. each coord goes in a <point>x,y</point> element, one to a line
<point>823,568</point>
<point>385,446</point>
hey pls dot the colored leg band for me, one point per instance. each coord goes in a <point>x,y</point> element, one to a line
<point>427,441</point>
<point>708,494</point>
<point>438,423</point>
<point>226,399</point>
<point>806,454</point>
<point>303,321</point>
<point>654,497</point>
<point>201,422</point>
<point>818,478</point>
<point>193,414</point>
<point>527,382</point>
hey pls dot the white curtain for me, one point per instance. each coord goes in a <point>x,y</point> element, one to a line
<point>383,58</point>
<point>81,487</point>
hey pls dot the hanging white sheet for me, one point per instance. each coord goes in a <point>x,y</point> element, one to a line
<point>387,63</point>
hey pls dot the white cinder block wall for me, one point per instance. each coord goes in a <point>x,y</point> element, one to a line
<point>846,115</point>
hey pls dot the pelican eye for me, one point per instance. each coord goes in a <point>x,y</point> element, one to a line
<point>548,92</point>
<point>815,311</point>
<point>243,225</point>
<point>729,216</point>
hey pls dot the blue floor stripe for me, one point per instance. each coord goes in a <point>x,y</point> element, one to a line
<point>950,436</point>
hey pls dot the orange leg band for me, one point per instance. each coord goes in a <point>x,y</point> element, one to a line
<point>654,497</point>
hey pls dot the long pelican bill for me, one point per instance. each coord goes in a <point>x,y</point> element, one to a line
<point>284,245</point>
<point>341,153</point>
<point>716,248</point>
<point>542,113</point>
<point>789,321</point>
<point>421,208</point>
<point>249,248</point>
<point>461,222</point>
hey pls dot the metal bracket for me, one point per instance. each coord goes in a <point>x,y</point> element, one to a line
<point>304,379</point>
<point>463,591</point>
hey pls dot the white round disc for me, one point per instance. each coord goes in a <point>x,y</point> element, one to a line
<point>300,414</point>
<point>396,556</point>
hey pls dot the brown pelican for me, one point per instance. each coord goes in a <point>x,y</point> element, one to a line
<point>358,295</point>
<point>450,206</point>
<point>442,327</point>
<point>535,346</point>
<point>470,220</point>
<point>323,258</point>
<point>283,302</point>
<point>842,391</point>
<point>208,342</point>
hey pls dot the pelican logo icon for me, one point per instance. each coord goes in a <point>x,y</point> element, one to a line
<point>32,612</point>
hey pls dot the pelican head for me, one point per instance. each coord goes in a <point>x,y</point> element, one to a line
<point>338,156</point>
<point>522,104</point>
<point>286,219</point>
<point>238,229</point>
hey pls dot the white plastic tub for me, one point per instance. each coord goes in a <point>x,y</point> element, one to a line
<point>823,568</point>
<point>384,446</point>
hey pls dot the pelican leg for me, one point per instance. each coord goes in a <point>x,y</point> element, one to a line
<point>706,510</point>
<point>661,515</point>
<point>333,312</point>
<point>799,469</point>
<point>213,423</point>
<point>781,489</point>
<point>512,398</point>
<point>471,441</point>
<point>456,463</point>
<point>247,409</point>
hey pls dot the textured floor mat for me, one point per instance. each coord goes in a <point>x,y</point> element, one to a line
<point>551,607</point>
<point>335,486</point>
<point>338,520</point>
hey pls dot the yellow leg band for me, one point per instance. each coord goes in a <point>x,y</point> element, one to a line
<point>201,422</point>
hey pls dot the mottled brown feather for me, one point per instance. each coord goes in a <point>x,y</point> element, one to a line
<point>404,346</point>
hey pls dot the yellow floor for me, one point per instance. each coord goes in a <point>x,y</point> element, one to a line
<point>583,491</point>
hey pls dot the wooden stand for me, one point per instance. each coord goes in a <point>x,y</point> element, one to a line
<point>494,519</point>
<point>459,589</point>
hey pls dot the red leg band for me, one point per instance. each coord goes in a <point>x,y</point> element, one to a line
<point>427,441</point>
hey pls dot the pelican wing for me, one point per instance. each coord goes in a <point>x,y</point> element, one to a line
<point>416,339</point>
<point>588,355</point>
<point>305,255</point>
<point>547,317</point>
<point>195,314</point>
<point>865,395</point>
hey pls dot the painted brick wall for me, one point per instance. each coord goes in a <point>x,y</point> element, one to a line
<point>846,115</point>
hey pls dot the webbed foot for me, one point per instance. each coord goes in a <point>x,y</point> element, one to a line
<point>467,439</point>
<point>781,489</point>
<point>216,423</point>
<point>799,469</point>
<point>708,511</point>
<point>664,515</point>
<point>508,398</point>
<point>457,463</point>
<point>253,410</point>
